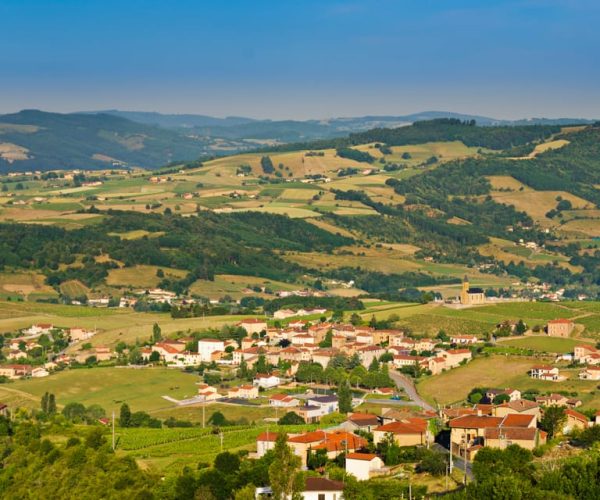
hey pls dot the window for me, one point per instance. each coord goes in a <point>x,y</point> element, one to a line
<point>321,496</point>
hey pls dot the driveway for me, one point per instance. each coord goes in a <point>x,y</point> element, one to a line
<point>407,384</point>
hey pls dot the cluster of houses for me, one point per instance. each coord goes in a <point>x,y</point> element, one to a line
<point>583,354</point>
<point>472,428</point>
<point>19,349</point>
<point>302,340</point>
<point>512,422</point>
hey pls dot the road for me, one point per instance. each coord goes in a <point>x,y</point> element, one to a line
<point>458,463</point>
<point>410,390</point>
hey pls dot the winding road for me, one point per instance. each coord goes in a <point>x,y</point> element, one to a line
<point>410,390</point>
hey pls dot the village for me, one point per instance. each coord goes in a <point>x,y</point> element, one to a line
<point>322,373</point>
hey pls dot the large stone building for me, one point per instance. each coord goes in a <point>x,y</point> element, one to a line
<point>560,327</point>
<point>471,296</point>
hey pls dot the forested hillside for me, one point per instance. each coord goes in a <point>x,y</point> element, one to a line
<point>35,140</point>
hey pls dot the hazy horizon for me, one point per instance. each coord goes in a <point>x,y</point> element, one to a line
<point>506,59</point>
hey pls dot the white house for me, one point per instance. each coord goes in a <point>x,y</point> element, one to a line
<point>283,400</point>
<point>207,346</point>
<point>266,381</point>
<point>327,404</point>
<point>362,465</point>
<point>39,329</point>
<point>320,488</point>
<point>545,372</point>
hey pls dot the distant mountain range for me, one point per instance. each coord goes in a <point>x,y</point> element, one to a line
<point>38,140</point>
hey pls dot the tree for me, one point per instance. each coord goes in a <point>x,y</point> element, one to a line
<point>520,328</point>
<point>501,398</point>
<point>344,398</point>
<point>551,422</point>
<point>261,365</point>
<point>355,319</point>
<point>248,492</point>
<point>433,462</point>
<point>125,416</point>
<point>284,469</point>
<point>317,459</point>
<point>74,411</point>
<point>291,418</point>
<point>95,438</point>
<point>44,403</point>
<point>156,333</point>
<point>227,463</point>
<point>327,341</point>
<point>243,370</point>
<point>217,419</point>
<point>374,366</point>
<point>51,409</point>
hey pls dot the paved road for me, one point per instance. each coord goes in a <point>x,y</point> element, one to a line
<point>410,390</point>
<point>458,463</point>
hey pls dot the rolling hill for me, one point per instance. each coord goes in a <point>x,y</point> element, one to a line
<point>36,140</point>
<point>420,205</point>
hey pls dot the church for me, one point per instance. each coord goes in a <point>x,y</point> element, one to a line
<point>471,296</point>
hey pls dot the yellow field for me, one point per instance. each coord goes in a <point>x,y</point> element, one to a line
<point>538,203</point>
<point>586,227</point>
<point>454,385</point>
<point>233,285</point>
<point>24,283</point>
<point>547,146</point>
<point>74,288</point>
<point>140,276</point>
<point>137,234</point>
<point>375,259</point>
<point>506,182</point>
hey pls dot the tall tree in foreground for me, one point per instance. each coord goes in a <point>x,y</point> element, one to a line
<point>283,471</point>
<point>344,397</point>
<point>125,415</point>
<point>156,333</point>
<point>553,419</point>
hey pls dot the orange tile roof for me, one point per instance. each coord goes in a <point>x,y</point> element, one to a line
<point>517,420</point>
<point>576,415</point>
<point>559,321</point>
<point>309,437</point>
<point>475,422</point>
<point>409,425</point>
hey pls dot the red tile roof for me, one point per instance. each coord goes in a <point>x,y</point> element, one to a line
<point>323,484</point>
<point>518,433</point>
<point>361,456</point>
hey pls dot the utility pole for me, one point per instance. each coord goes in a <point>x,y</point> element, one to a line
<point>203,414</point>
<point>113,430</point>
<point>221,435</point>
<point>465,458</point>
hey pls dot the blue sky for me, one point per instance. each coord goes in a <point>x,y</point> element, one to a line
<point>302,58</point>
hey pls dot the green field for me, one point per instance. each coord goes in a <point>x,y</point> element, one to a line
<point>499,371</point>
<point>543,344</point>
<point>142,389</point>
<point>169,450</point>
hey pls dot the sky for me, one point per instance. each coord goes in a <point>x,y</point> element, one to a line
<point>300,59</point>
